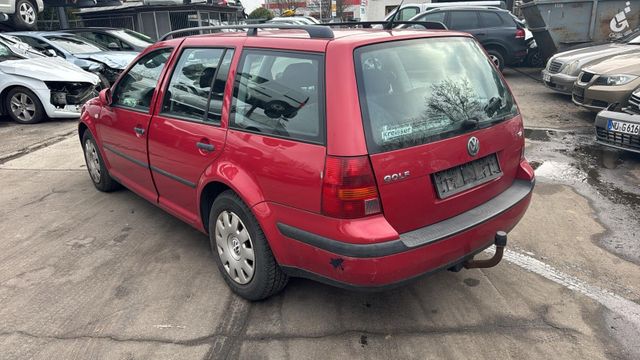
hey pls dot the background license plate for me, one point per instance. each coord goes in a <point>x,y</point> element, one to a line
<point>546,77</point>
<point>623,127</point>
<point>454,180</point>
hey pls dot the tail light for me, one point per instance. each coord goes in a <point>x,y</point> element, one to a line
<point>520,34</point>
<point>349,189</point>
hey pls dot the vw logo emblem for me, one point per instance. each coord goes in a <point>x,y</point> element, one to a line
<point>473,146</point>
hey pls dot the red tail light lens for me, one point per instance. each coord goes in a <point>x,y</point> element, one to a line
<point>520,34</point>
<point>349,189</point>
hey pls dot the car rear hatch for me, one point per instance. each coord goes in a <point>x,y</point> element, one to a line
<point>442,128</point>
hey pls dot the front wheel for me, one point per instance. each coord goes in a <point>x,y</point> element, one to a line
<point>241,250</point>
<point>23,106</point>
<point>95,165</point>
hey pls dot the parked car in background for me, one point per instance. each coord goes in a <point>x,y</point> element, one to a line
<point>294,20</point>
<point>496,29</point>
<point>408,11</point>
<point>34,86</point>
<point>23,14</point>
<point>114,38</point>
<point>620,129</point>
<point>356,158</point>
<point>81,52</point>
<point>563,68</point>
<point>609,82</point>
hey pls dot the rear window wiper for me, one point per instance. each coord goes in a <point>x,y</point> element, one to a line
<point>493,106</point>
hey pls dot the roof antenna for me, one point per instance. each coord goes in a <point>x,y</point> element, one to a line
<point>389,25</point>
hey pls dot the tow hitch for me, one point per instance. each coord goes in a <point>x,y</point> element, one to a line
<point>500,242</point>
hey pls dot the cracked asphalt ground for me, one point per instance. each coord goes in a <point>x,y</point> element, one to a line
<point>87,275</point>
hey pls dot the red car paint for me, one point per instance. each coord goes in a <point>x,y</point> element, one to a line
<point>281,180</point>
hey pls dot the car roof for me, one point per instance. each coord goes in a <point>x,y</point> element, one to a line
<point>475,8</point>
<point>298,40</point>
<point>92,29</point>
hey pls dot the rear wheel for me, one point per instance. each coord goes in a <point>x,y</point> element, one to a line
<point>25,16</point>
<point>95,165</point>
<point>496,58</point>
<point>23,106</point>
<point>242,252</point>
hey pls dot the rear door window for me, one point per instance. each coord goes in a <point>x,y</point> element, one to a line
<point>463,20</point>
<point>434,16</point>
<point>280,94</point>
<point>416,91</point>
<point>190,90</point>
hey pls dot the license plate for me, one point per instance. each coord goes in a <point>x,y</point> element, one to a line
<point>546,77</point>
<point>623,127</point>
<point>578,91</point>
<point>460,178</point>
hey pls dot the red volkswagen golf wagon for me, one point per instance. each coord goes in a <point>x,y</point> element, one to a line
<point>356,157</point>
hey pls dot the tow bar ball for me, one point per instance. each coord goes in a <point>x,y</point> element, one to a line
<point>500,242</point>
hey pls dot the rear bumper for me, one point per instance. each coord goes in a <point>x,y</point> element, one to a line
<point>381,264</point>
<point>613,139</point>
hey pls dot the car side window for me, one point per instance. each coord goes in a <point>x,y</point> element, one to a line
<point>190,87</point>
<point>490,19</point>
<point>407,13</point>
<point>217,90</point>
<point>39,45</point>
<point>435,16</point>
<point>463,20</point>
<point>280,94</point>
<point>135,89</point>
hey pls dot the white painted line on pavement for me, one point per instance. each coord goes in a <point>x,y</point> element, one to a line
<point>616,303</point>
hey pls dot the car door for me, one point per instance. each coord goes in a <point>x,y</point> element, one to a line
<point>493,27</point>
<point>187,134</point>
<point>123,125</point>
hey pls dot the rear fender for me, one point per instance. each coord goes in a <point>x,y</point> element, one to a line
<point>236,178</point>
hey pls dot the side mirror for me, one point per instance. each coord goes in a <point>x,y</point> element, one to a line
<point>51,53</point>
<point>105,96</point>
<point>113,46</point>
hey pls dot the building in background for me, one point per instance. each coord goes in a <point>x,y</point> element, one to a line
<point>320,9</point>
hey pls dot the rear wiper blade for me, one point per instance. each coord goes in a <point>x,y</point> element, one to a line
<point>493,106</point>
<point>471,123</point>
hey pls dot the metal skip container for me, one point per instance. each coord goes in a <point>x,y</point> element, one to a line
<point>558,24</point>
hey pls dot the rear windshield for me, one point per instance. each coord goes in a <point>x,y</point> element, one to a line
<point>416,91</point>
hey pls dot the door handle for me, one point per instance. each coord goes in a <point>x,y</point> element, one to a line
<point>139,130</point>
<point>205,147</point>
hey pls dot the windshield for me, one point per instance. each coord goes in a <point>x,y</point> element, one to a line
<point>14,49</point>
<point>133,37</point>
<point>416,91</point>
<point>75,45</point>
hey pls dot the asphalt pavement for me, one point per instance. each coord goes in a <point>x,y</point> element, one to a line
<point>88,275</point>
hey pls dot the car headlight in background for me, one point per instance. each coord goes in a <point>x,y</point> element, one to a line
<point>571,68</point>
<point>614,80</point>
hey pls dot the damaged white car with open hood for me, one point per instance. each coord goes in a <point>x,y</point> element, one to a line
<point>34,87</point>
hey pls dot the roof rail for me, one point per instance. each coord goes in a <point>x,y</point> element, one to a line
<point>433,25</point>
<point>314,31</point>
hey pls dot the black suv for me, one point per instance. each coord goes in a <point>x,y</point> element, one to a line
<point>495,29</point>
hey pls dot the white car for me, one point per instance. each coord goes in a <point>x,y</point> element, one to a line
<point>22,13</point>
<point>34,87</point>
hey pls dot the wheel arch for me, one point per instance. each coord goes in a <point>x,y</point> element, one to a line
<point>222,176</point>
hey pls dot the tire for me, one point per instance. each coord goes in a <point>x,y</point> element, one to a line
<point>534,59</point>
<point>231,244</point>
<point>496,58</point>
<point>101,179</point>
<point>25,16</point>
<point>23,106</point>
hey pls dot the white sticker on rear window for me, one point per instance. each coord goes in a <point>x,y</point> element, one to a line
<point>389,133</point>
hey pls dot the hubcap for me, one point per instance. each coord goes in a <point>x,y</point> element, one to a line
<point>235,247</point>
<point>93,161</point>
<point>27,13</point>
<point>22,106</point>
<point>495,60</point>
